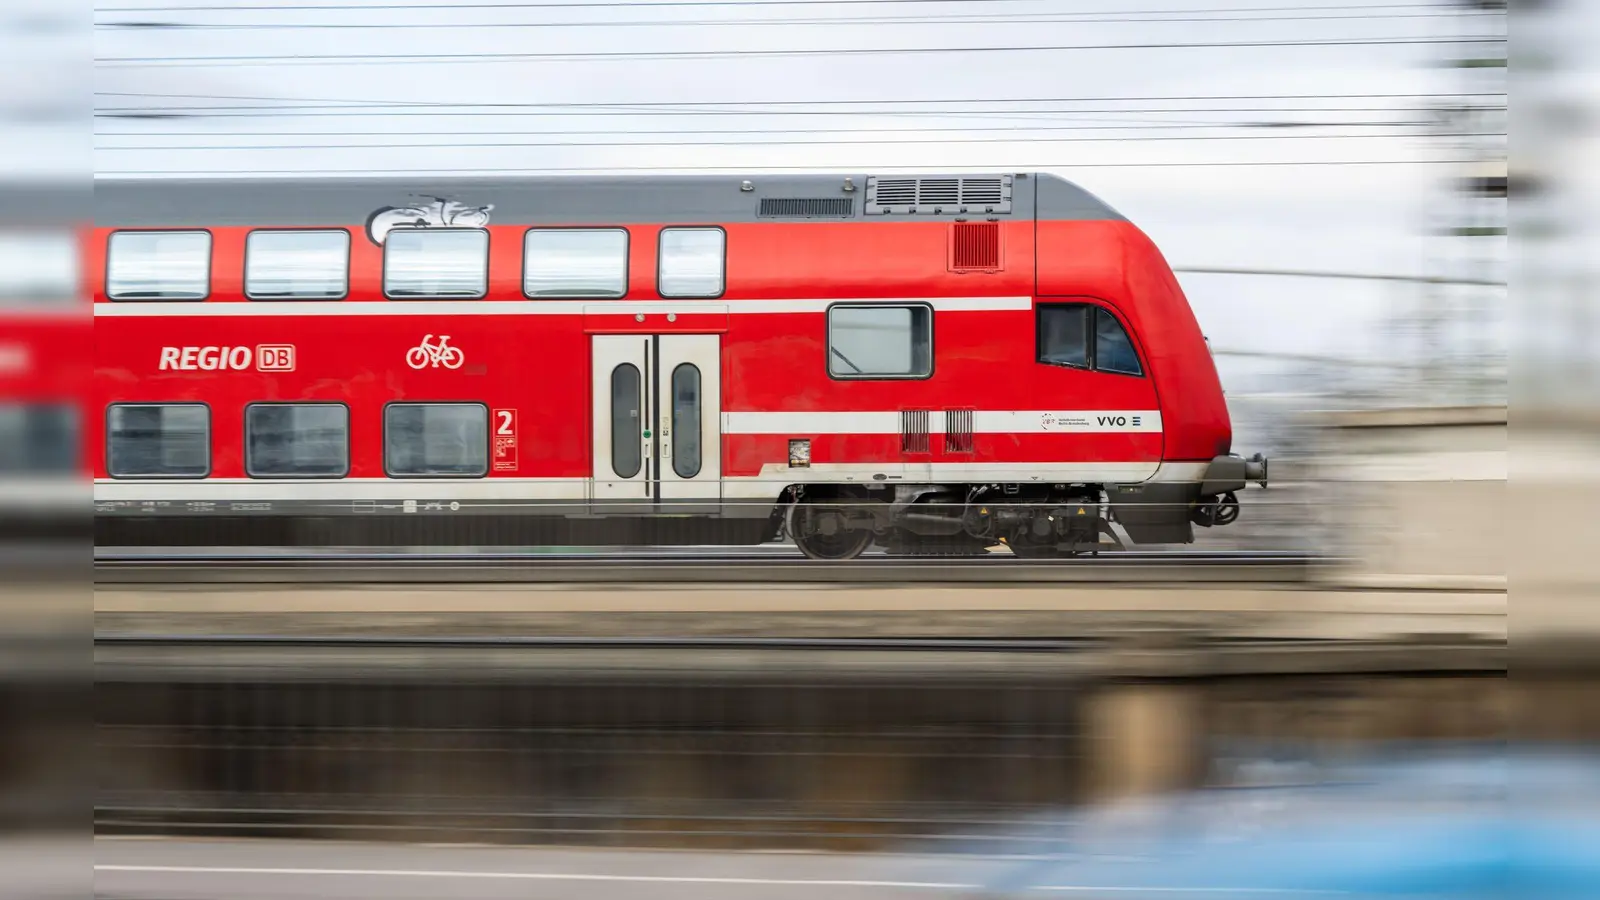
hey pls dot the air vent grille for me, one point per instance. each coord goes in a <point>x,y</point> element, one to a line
<point>975,247</point>
<point>914,430</point>
<point>958,431</point>
<point>806,208</point>
<point>955,195</point>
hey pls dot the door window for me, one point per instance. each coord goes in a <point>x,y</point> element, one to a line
<point>627,417</point>
<point>686,420</point>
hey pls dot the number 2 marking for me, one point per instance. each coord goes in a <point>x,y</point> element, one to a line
<point>505,421</point>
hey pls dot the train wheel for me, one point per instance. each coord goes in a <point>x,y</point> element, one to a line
<point>822,533</point>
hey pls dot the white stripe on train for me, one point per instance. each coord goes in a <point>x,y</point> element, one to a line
<point>295,308</point>
<point>984,421</point>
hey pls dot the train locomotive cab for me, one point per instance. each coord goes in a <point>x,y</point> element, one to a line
<point>1119,413</point>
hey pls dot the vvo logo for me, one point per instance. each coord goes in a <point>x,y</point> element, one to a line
<point>263,357</point>
<point>1118,421</point>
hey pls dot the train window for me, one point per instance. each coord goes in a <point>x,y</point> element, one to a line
<point>693,262</point>
<point>158,440</point>
<point>158,265</point>
<point>436,439</point>
<point>880,341</point>
<point>627,419</point>
<point>436,262</point>
<point>38,439</point>
<point>575,262</point>
<point>1113,350</point>
<point>296,265</point>
<point>306,440</point>
<point>1063,332</point>
<point>1084,336</point>
<point>686,420</point>
<point>38,266</point>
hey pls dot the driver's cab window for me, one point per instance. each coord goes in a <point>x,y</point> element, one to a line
<point>1084,336</point>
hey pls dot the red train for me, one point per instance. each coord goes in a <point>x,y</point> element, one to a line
<point>934,364</point>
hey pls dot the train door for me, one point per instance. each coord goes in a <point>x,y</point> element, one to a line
<point>657,422</point>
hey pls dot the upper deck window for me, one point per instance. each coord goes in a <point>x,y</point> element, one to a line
<point>880,341</point>
<point>693,262</point>
<point>575,262</point>
<point>436,262</point>
<point>1084,336</point>
<point>158,265</point>
<point>38,266</point>
<point>296,265</point>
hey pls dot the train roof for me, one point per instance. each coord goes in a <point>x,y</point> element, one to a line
<point>664,199</point>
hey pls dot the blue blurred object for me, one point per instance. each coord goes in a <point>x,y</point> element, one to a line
<point>1468,824</point>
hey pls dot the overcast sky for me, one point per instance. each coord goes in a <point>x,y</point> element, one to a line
<point>1360,218</point>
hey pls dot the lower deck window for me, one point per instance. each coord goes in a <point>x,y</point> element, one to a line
<point>38,439</point>
<point>158,440</point>
<point>305,440</point>
<point>434,439</point>
<point>880,341</point>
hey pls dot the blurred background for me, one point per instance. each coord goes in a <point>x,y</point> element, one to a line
<point>1404,315</point>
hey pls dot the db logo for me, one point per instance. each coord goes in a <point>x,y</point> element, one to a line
<point>275,357</point>
<point>265,357</point>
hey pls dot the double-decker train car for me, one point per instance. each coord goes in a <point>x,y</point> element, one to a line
<point>45,336</point>
<point>931,364</point>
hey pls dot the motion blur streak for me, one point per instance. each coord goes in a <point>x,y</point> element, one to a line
<point>45,352</point>
<point>1555,390</point>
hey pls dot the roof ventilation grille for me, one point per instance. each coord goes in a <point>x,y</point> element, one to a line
<point>944,195</point>
<point>806,208</point>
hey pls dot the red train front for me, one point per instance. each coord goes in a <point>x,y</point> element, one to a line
<point>934,364</point>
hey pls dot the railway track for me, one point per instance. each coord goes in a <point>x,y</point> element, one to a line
<point>756,565</point>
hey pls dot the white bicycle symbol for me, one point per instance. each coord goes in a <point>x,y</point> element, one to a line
<point>440,354</point>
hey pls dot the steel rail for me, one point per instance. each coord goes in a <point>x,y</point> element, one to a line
<point>700,568</point>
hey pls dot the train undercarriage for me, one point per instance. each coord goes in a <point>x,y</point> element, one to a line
<point>1035,521</point>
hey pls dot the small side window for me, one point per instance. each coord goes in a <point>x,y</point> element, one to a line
<point>296,265</point>
<point>433,262</point>
<point>1113,350</point>
<point>158,265</point>
<point>158,440</point>
<point>575,262</point>
<point>1064,335</point>
<point>305,440</point>
<point>436,439</point>
<point>880,342</point>
<point>693,262</point>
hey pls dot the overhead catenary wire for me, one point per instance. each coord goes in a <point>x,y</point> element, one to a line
<point>343,107</point>
<point>746,53</point>
<point>1029,18</point>
<point>874,129</point>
